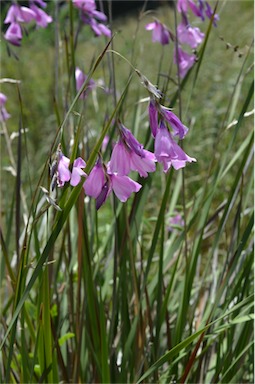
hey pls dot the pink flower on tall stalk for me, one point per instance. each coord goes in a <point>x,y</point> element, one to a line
<point>123,186</point>
<point>184,61</point>
<point>156,109</point>
<point>42,19</point>
<point>91,16</point>
<point>80,77</point>
<point>4,115</point>
<point>95,181</point>
<point>160,33</point>
<point>153,116</point>
<point>77,172</point>
<point>19,14</point>
<point>189,35</point>
<point>64,174</point>
<point>144,164</point>
<point>201,10</point>
<point>120,162</point>
<point>168,152</point>
<point>63,171</point>
<point>178,127</point>
<point>99,185</point>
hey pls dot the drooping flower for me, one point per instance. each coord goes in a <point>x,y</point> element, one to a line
<point>42,19</point>
<point>77,172</point>
<point>95,181</point>
<point>105,191</point>
<point>4,115</point>
<point>13,34</point>
<point>184,60</point>
<point>99,28</point>
<point>168,152</point>
<point>19,14</point>
<point>178,127</point>
<point>189,35</point>
<point>144,164</point>
<point>91,16</point>
<point>120,162</point>
<point>184,5</point>
<point>123,186</point>
<point>153,116</point>
<point>63,172</point>
<point>201,10</point>
<point>209,14</point>
<point>80,77</point>
<point>160,33</point>
<point>131,141</point>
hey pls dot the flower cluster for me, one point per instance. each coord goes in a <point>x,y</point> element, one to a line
<point>18,15</point>
<point>186,34</point>
<point>128,155</point>
<point>92,17</point>
<point>4,115</point>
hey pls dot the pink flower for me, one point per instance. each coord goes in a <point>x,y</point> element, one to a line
<point>184,5</point>
<point>13,34</point>
<point>160,33</point>
<point>19,14</point>
<point>178,128</point>
<point>143,164</point>
<point>175,222</point>
<point>185,61</point>
<point>80,77</point>
<point>42,19</point>
<point>95,181</point>
<point>120,162</point>
<point>153,117</point>
<point>63,172</point>
<point>123,186</point>
<point>4,115</point>
<point>168,152</point>
<point>131,141</point>
<point>188,35</point>
<point>77,171</point>
<point>99,28</point>
<point>90,16</point>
